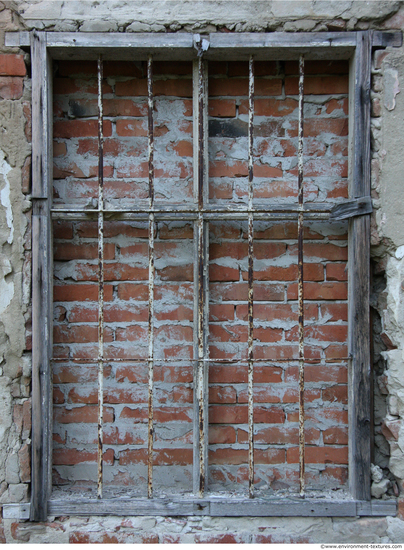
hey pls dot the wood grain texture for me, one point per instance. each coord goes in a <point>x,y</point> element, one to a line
<point>358,277</point>
<point>351,208</point>
<point>41,279</point>
<point>224,507</point>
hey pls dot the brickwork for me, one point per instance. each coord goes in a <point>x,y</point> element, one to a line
<point>126,275</point>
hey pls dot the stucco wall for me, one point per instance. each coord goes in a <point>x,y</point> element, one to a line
<point>387,252</point>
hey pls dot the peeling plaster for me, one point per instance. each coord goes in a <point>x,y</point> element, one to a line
<point>6,288</point>
<point>391,88</point>
<point>5,168</point>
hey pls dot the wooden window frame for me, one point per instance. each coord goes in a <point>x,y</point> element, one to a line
<point>355,46</point>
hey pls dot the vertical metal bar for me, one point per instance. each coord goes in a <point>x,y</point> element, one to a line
<point>201,419</point>
<point>151,273</point>
<point>300,279</point>
<point>100,277</point>
<point>201,279</point>
<point>250,282</point>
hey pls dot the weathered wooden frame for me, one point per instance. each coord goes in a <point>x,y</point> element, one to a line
<point>356,46</point>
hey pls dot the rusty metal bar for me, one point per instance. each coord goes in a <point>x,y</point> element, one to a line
<point>166,216</point>
<point>201,365</point>
<point>251,282</point>
<point>201,303</point>
<point>214,209</point>
<point>186,361</point>
<point>300,279</point>
<point>100,277</point>
<point>151,274</point>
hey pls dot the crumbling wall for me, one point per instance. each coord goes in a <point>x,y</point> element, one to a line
<point>387,251</point>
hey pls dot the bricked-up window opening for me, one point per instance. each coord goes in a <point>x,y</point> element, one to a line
<point>180,248</point>
<point>145,150</point>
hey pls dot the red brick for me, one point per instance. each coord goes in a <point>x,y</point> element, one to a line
<point>336,436</point>
<point>312,272</point>
<point>280,436</point>
<point>64,334</point>
<point>219,538</point>
<point>12,65</point>
<point>11,87</point>
<point>222,435</point>
<point>321,333</point>
<point>261,395</point>
<point>81,414</point>
<point>223,273</point>
<point>222,169</point>
<point>337,394</point>
<point>177,273</point>
<point>334,312</point>
<point>26,108</point>
<point>222,394</point>
<point>336,272</point>
<point>126,128</point>
<point>272,312</point>
<point>238,292</point>
<point>179,457</point>
<point>79,128</point>
<point>58,396</point>
<point>111,395</point>
<point>271,107</point>
<point>275,352</point>
<point>221,312</point>
<point>172,374</point>
<point>26,176</point>
<point>78,292</point>
<point>318,373</point>
<point>228,414</point>
<point>320,291</point>
<point>74,456</point>
<point>336,84</point>
<point>400,508</point>
<point>24,458</point>
<point>336,352</point>
<point>265,171</point>
<point>315,127</point>
<point>336,416</point>
<point>62,230</point>
<point>135,87</point>
<point>133,291</point>
<point>319,455</point>
<point>222,107</point>
<point>334,105</point>
<point>269,456</point>
<point>69,251</point>
<point>221,190</point>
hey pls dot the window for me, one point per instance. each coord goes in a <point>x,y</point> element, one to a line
<point>141,220</point>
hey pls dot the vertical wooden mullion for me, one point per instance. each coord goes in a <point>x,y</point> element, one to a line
<point>358,274</point>
<point>41,277</point>
<point>201,279</point>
